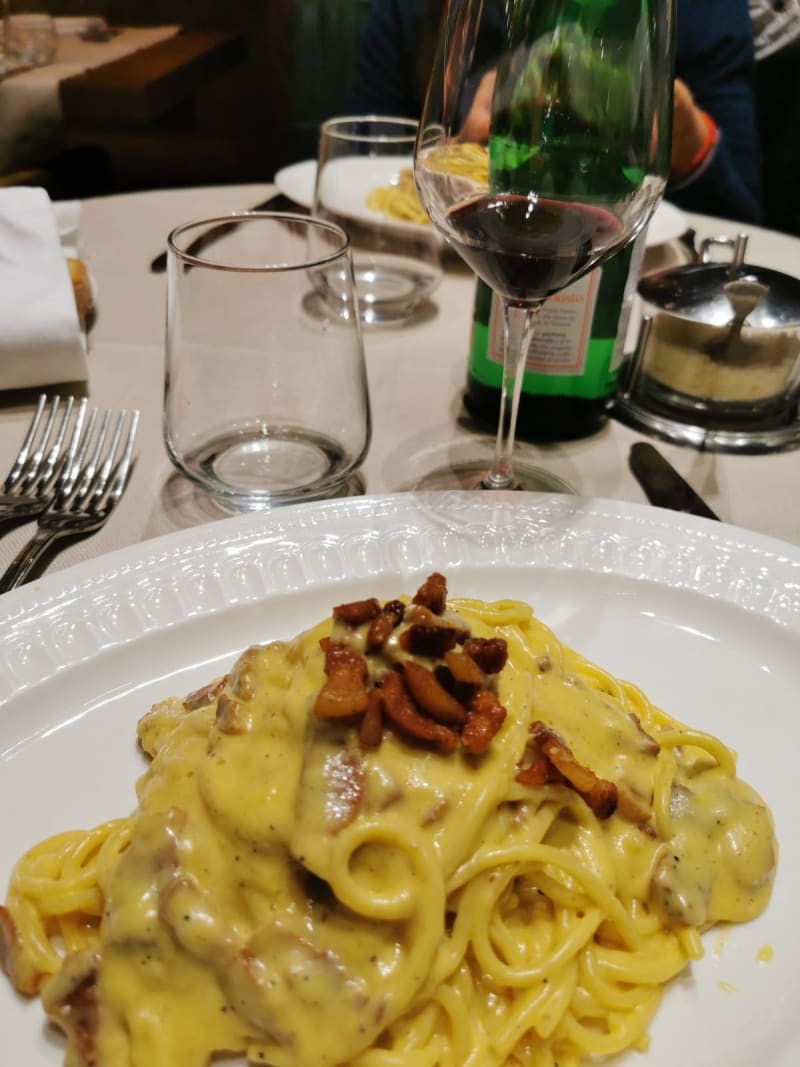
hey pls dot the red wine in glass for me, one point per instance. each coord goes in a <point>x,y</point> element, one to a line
<point>526,247</point>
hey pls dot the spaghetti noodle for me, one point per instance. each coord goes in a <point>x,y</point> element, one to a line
<point>422,834</point>
<point>399,199</point>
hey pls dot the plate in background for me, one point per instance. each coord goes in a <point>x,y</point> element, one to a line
<point>297,182</point>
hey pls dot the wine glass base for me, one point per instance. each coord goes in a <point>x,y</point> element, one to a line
<point>471,475</point>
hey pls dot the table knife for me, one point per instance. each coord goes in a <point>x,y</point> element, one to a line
<point>276,202</point>
<point>663,485</point>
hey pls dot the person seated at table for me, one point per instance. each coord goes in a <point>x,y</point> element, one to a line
<point>715,156</point>
<point>776,29</point>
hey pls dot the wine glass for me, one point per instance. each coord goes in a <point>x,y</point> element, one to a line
<point>543,150</point>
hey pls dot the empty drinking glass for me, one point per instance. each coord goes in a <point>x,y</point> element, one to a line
<point>264,403</point>
<point>29,38</point>
<point>365,184</point>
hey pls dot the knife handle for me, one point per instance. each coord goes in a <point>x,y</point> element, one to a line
<point>277,202</point>
<point>662,484</point>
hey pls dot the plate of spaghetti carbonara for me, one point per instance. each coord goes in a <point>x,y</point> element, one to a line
<point>382,190</point>
<point>389,804</point>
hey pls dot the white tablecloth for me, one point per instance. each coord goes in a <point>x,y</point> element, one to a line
<point>416,378</point>
<point>30,110</point>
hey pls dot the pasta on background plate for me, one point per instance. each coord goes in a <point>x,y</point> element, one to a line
<point>423,833</point>
<point>399,199</point>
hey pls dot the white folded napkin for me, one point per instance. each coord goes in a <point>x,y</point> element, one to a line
<point>41,341</point>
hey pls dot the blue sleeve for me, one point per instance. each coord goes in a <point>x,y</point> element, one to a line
<point>715,57</point>
<point>384,81</point>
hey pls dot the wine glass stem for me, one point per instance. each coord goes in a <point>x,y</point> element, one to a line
<point>518,324</point>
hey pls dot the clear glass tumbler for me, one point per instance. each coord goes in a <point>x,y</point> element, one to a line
<point>29,38</point>
<point>365,184</point>
<point>264,403</point>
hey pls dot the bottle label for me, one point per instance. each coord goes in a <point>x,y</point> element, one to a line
<point>578,337</point>
<point>561,336</point>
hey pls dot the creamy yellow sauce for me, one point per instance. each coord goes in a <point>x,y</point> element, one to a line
<point>289,893</point>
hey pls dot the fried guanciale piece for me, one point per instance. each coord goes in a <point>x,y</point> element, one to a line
<point>402,713</point>
<point>357,612</point>
<point>486,716</point>
<point>431,696</point>
<point>599,793</point>
<point>490,653</point>
<point>389,617</point>
<point>345,691</point>
<point>26,979</point>
<point>201,698</point>
<point>433,641</point>
<point>70,999</point>
<point>538,772</point>
<point>632,807</point>
<point>432,593</point>
<point>464,669</point>
<point>370,729</point>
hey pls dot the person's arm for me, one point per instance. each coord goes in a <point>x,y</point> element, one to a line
<point>384,82</point>
<point>715,60</point>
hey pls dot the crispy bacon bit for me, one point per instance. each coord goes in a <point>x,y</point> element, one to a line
<point>419,615</point>
<point>433,593</point>
<point>539,772</point>
<point>344,781</point>
<point>464,669</point>
<point>432,697</point>
<point>201,698</point>
<point>27,980</point>
<point>232,716</point>
<point>430,641</point>
<point>400,710</point>
<point>490,653</point>
<point>344,692</point>
<point>370,729</point>
<point>391,615</point>
<point>650,746</point>
<point>486,716</point>
<point>631,806</point>
<point>357,612</point>
<point>71,1001</point>
<point>446,702</point>
<point>599,793</point>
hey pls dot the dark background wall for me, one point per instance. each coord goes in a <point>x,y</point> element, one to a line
<point>300,56</point>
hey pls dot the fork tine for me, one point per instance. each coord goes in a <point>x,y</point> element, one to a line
<point>96,490</point>
<point>123,467</point>
<point>54,451</point>
<point>33,467</point>
<point>22,456</point>
<point>100,483</point>
<point>90,467</point>
<point>67,469</point>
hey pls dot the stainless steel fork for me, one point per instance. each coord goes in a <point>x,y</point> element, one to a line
<point>46,462</point>
<point>85,504</point>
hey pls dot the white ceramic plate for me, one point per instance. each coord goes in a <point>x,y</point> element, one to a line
<point>347,184</point>
<point>297,182</point>
<point>705,617</point>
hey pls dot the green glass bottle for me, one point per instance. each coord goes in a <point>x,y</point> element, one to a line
<point>574,359</point>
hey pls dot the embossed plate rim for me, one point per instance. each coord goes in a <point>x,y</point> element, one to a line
<point>742,567</point>
<point>72,637</point>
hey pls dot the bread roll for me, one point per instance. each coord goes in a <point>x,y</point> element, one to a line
<point>81,287</point>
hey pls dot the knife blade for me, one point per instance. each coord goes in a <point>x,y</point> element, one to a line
<point>662,484</point>
<point>276,202</point>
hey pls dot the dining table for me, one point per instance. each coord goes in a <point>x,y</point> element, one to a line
<point>703,616</point>
<point>32,119</point>
<point>416,375</point>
